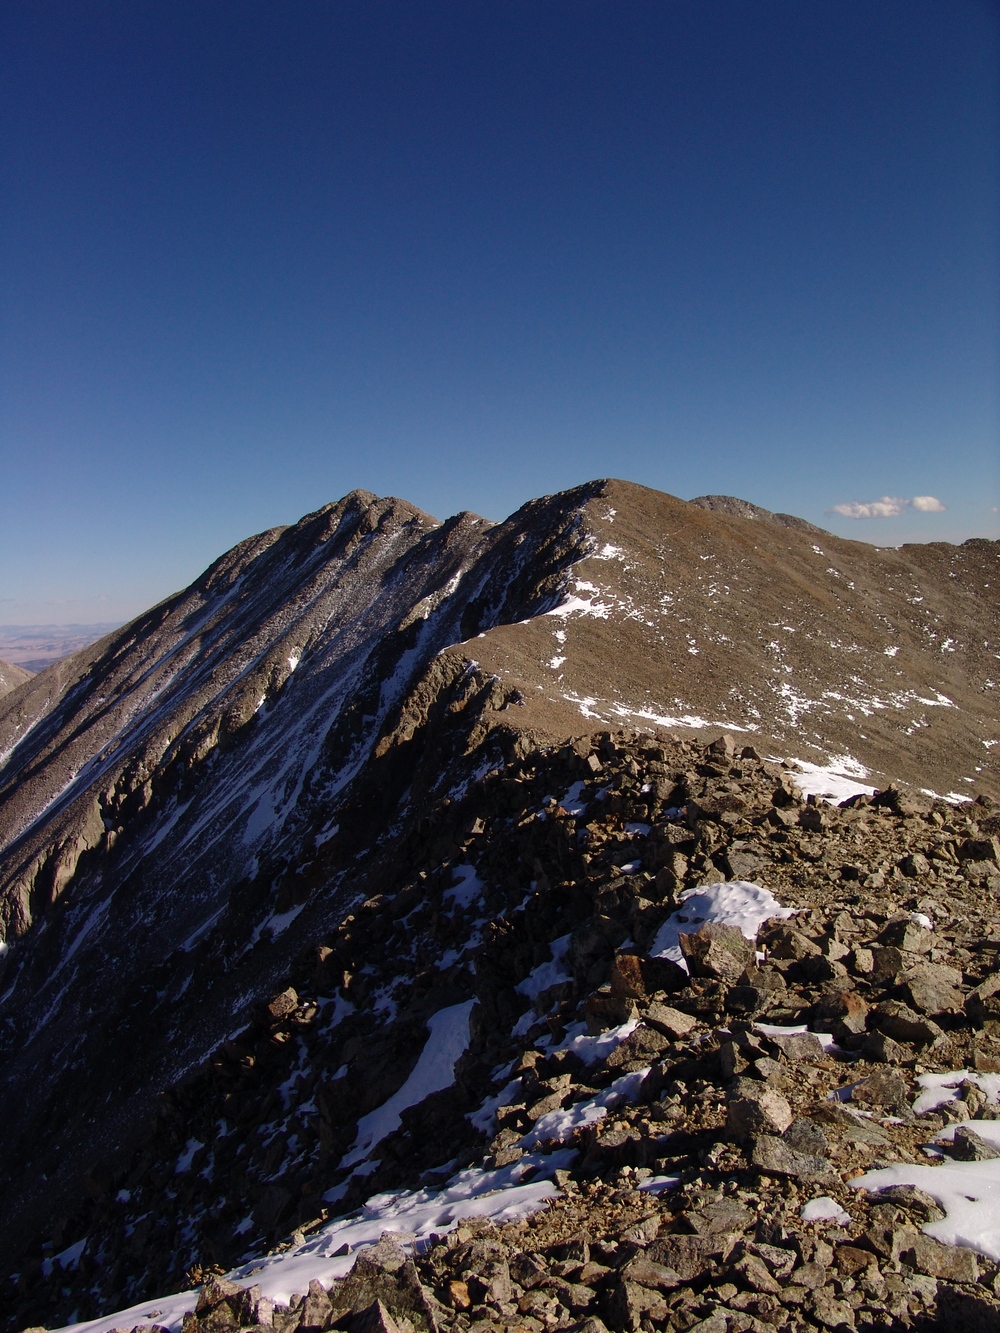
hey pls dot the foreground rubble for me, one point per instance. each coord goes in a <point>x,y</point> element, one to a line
<point>689,1134</point>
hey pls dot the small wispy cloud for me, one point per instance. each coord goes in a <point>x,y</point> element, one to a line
<point>890,506</point>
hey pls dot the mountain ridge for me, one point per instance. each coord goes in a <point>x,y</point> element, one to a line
<point>186,804</point>
<point>11,676</point>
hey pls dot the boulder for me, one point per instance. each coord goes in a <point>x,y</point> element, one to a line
<point>719,952</point>
<point>775,1157</point>
<point>755,1109</point>
<point>934,988</point>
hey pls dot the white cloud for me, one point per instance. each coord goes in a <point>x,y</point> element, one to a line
<point>890,506</point>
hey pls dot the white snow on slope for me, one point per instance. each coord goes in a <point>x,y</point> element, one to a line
<point>557,1126</point>
<point>969,1193</point>
<point>414,1215</point>
<point>834,781</point>
<point>434,1070</point>
<point>547,974</point>
<point>589,1049</point>
<point>937,1089</point>
<point>735,903</point>
<point>467,889</point>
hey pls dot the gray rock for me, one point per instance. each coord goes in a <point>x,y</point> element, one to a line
<point>756,1109</point>
<point>900,1022</point>
<point>775,1157</point>
<point>800,1046</point>
<point>934,988</point>
<point>954,1263</point>
<point>968,1146</point>
<point>805,1136</point>
<point>718,952</point>
<point>691,1256</point>
<point>878,1049</point>
<point>911,1199</point>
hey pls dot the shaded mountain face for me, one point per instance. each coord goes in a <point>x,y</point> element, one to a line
<point>11,676</point>
<point>188,803</point>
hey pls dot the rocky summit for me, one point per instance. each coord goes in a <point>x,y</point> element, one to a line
<point>584,921</point>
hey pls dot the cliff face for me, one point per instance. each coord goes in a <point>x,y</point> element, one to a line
<point>189,803</point>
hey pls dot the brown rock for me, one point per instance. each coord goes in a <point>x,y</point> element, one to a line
<point>671,1022</point>
<point>458,1293</point>
<point>885,1088</point>
<point>284,1004</point>
<point>954,1263</point>
<point>934,988</point>
<point>850,1261</point>
<point>636,977</point>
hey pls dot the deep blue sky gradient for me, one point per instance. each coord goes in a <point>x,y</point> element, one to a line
<point>256,254</point>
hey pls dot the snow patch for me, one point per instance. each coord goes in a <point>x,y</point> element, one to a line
<point>543,976</point>
<point>559,1125</point>
<point>435,1069</point>
<point>937,1089</point>
<point>969,1193</point>
<point>467,889</point>
<point>833,782</point>
<point>825,1209</point>
<point>413,1215</point>
<point>590,1049</point>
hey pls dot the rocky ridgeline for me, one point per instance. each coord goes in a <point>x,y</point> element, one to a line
<point>596,842</point>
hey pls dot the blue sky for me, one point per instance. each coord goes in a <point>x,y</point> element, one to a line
<point>254,255</point>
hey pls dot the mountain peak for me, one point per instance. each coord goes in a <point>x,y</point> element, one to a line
<point>209,795</point>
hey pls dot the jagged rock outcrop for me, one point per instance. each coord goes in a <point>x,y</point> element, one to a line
<point>188,805</point>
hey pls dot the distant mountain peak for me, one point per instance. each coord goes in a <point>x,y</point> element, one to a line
<point>737,508</point>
